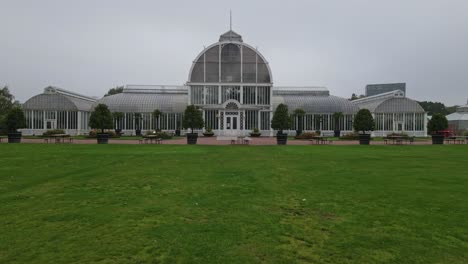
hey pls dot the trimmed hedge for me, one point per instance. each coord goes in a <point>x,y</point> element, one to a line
<point>159,134</point>
<point>350,136</point>
<point>53,132</point>
<point>306,135</point>
<point>93,134</point>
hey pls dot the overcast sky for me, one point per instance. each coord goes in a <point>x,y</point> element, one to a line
<point>91,46</point>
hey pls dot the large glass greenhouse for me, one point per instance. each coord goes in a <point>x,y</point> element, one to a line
<point>394,112</point>
<point>232,84</point>
<point>57,108</point>
<point>458,121</point>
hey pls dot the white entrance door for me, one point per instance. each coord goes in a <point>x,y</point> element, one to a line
<point>231,122</point>
<point>51,124</point>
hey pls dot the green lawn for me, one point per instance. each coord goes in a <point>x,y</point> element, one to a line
<point>233,204</point>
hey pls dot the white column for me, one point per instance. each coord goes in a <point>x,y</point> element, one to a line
<point>204,95</point>
<point>383,122</point>
<point>241,94</point>
<point>256,96</point>
<point>219,64</point>
<point>151,121</point>
<point>242,68</point>
<point>204,117</point>
<point>219,94</point>
<point>425,124</point>
<point>78,126</point>
<point>259,121</point>
<point>189,95</point>
<point>414,122</point>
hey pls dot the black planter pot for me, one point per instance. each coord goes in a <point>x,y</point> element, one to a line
<point>281,139</point>
<point>192,138</point>
<point>14,137</point>
<point>364,139</point>
<point>102,138</point>
<point>177,132</point>
<point>437,139</point>
<point>336,133</point>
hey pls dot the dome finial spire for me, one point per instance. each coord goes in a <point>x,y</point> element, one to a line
<point>230,19</point>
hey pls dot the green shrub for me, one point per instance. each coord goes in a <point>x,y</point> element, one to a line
<point>208,132</point>
<point>158,134</point>
<point>255,132</point>
<point>53,132</point>
<point>402,134</point>
<point>466,133</point>
<point>112,134</point>
<point>193,118</point>
<point>281,119</point>
<point>15,119</point>
<point>363,121</point>
<point>437,123</point>
<point>350,136</point>
<point>306,135</point>
<point>101,118</point>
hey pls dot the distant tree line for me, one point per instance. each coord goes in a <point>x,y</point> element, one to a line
<point>437,108</point>
<point>115,90</point>
<point>355,97</point>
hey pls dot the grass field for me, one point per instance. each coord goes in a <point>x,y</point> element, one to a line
<point>233,204</point>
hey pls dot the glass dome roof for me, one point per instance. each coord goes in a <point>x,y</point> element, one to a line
<point>56,99</point>
<point>146,100</point>
<point>230,61</point>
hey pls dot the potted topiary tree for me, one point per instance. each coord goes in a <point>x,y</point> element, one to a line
<point>363,123</point>
<point>299,113</point>
<point>15,120</point>
<point>157,114</point>
<point>437,124</point>
<point>118,121</point>
<point>193,119</point>
<point>101,118</point>
<point>281,121</point>
<point>336,118</point>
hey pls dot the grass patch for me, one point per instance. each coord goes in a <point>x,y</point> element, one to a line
<point>233,204</point>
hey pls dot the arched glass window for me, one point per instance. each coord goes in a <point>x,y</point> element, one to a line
<point>230,63</point>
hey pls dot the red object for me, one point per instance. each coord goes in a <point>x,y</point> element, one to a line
<point>446,133</point>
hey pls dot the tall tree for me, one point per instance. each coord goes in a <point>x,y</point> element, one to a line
<point>116,90</point>
<point>7,102</point>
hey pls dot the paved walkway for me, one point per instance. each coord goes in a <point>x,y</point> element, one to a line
<point>213,141</point>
